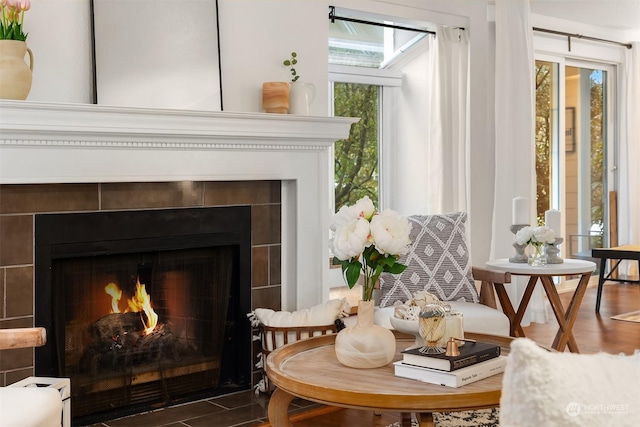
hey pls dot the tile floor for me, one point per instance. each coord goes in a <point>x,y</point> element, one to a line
<point>242,409</point>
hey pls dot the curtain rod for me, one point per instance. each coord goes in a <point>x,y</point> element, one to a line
<point>333,17</point>
<point>580,36</point>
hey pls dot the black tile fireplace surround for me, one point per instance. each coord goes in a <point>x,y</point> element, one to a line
<point>196,266</point>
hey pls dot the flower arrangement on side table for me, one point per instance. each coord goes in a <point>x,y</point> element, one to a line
<point>369,242</point>
<point>536,237</point>
<point>12,19</point>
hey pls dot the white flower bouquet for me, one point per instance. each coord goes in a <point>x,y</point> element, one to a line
<point>535,236</point>
<point>369,242</point>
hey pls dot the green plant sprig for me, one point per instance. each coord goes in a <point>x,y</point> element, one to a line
<point>290,63</point>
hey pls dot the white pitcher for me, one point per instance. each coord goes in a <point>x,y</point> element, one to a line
<point>300,96</point>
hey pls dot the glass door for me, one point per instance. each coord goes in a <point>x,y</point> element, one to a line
<point>572,150</point>
<point>585,158</point>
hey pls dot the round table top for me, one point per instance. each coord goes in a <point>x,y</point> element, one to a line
<point>568,267</point>
<point>310,369</point>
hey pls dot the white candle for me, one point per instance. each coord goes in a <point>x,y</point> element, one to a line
<point>520,213</point>
<point>552,219</point>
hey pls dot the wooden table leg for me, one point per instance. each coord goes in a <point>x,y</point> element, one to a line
<point>524,302</point>
<point>406,419</point>
<point>425,419</point>
<point>515,330</point>
<point>278,410</point>
<point>558,311</point>
<point>570,316</point>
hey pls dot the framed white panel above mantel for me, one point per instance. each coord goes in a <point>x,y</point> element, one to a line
<point>67,143</point>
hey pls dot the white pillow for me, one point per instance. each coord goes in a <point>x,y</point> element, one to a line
<point>544,388</point>
<point>319,315</point>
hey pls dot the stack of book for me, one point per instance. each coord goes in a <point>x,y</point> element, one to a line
<point>477,360</point>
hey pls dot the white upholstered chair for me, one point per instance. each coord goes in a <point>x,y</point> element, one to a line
<point>33,401</point>
<point>439,262</point>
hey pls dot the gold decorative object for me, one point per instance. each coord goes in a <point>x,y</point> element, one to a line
<point>431,325</point>
<point>452,348</point>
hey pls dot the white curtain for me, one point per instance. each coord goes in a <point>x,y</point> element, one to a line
<point>629,185</point>
<point>448,134</point>
<point>514,116</point>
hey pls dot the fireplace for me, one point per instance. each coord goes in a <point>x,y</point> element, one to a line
<point>65,158</point>
<point>144,308</point>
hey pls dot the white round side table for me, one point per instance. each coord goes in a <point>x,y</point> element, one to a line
<point>566,318</point>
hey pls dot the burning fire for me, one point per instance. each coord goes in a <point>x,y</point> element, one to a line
<point>115,292</point>
<point>141,301</point>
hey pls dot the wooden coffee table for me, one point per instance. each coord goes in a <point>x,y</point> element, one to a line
<point>310,370</point>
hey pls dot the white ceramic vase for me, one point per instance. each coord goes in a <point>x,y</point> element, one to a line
<point>365,345</point>
<point>301,95</point>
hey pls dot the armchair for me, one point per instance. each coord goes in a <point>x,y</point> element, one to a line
<point>439,262</point>
<point>33,401</point>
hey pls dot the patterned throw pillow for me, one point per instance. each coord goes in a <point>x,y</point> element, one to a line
<point>438,262</point>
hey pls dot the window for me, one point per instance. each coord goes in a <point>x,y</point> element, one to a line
<point>366,66</point>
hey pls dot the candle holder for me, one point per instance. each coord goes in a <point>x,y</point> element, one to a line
<point>551,250</point>
<point>520,256</point>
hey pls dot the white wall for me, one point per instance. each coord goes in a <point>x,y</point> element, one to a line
<point>408,150</point>
<point>258,35</point>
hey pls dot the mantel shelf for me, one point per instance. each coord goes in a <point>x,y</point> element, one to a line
<point>29,123</point>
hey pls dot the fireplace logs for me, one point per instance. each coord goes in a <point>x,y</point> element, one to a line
<point>119,342</point>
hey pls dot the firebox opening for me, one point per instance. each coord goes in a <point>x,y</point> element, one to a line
<point>144,319</point>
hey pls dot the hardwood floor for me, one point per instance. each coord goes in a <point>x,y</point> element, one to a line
<point>596,332</point>
<point>593,332</point>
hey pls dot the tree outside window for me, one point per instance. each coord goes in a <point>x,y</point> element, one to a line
<point>356,158</point>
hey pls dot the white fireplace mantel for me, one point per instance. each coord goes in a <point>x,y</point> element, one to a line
<point>68,143</point>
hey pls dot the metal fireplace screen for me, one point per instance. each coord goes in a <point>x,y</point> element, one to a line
<point>143,327</point>
<point>147,317</point>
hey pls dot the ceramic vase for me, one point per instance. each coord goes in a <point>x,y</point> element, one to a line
<point>275,97</point>
<point>301,96</point>
<point>15,74</point>
<point>365,345</point>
